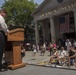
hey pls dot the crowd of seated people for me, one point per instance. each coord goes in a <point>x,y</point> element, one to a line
<point>62,56</point>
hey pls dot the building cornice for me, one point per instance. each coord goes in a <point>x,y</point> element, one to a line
<point>40,7</point>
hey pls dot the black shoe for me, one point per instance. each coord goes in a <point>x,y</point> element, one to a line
<point>5,65</point>
<point>2,70</point>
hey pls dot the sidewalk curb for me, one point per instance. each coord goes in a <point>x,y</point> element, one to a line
<point>50,66</point>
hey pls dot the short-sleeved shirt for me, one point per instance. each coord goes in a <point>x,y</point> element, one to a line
<point>71,53</point>
<point>63,53</point>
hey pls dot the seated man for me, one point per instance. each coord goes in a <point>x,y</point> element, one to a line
<point>72,56</point>
<point>62,56</point>
<point>55,55</point>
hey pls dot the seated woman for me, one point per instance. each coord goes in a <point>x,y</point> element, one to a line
<point>55,55</point>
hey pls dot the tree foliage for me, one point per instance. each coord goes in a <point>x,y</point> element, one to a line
<point>19,15</point>
<point>19,12</point>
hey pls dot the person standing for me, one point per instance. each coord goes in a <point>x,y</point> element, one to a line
<point>37,47</point>
<point>68,44</point>
<point>44,46</point>
<point>34,50</point>
<point>51,49</point>
<point>3,31</point>
<point>74,44</point>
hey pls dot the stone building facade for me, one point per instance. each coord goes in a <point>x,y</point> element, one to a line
<point>48,14</point>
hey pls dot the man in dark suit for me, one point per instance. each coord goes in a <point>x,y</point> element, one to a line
<point>3,31</point>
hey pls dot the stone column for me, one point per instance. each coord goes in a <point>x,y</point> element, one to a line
<point>36,33</point>
<point>47,31</point>
<point>52,29</point>
<point>43,31</point>
<point>75,19</point>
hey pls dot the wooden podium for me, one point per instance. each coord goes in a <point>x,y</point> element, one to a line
<point>13,48</point>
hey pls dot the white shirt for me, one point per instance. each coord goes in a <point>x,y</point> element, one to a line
<point>3,25</point>
<point>63,53</point>
<point>68,43</point>
<point>74,44</point>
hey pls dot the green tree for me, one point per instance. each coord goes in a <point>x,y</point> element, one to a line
<point>19,14</point>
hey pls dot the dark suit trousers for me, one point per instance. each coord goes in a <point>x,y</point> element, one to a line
<point>2,44</point>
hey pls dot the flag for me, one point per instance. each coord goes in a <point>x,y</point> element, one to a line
<point>64,23</point>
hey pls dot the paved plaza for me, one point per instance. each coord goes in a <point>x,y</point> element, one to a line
<point>42,60</point>
<point>37,70</point>
<point>32,67</point>
<point>37,58</point>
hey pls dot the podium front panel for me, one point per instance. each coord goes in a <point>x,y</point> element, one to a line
<point>15,36</point>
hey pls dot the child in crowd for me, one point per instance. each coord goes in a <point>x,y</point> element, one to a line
<point>22,51</point>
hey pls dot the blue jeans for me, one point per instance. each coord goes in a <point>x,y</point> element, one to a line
<point>71,61</point>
